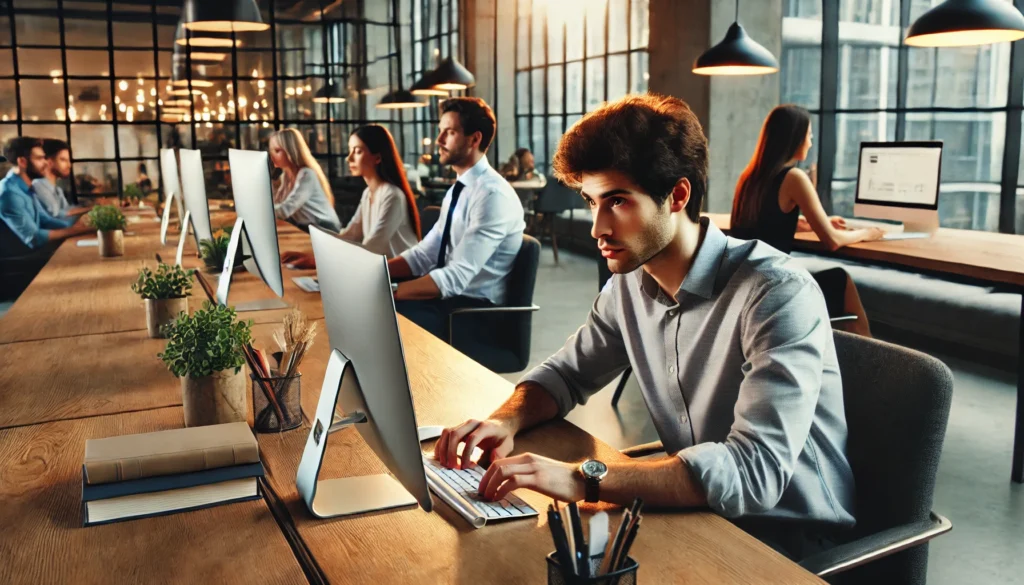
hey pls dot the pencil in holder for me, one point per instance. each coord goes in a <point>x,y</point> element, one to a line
<point>286,414</point>
<point>624,576</point>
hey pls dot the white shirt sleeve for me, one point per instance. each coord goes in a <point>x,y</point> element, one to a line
<point>423,256</point>
<point>305,184</point>
<point>390,212</point>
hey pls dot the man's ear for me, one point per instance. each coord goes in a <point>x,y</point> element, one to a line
<point>477,138</point>
<point>680,195</point>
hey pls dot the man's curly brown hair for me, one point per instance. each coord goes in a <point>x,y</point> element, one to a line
<point>655,140</point>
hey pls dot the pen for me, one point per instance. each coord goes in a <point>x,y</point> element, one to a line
<point>579,542</point>
<point>561,544</point>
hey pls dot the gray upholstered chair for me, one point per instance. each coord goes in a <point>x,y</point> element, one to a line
<point>897,404</point>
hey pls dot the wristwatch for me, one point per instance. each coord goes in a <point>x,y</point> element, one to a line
<point>593,472</point>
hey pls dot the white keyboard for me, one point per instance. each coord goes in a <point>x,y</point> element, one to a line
<point>857,223</point>
<point>458,488</point>
<point>906,236</point>
<point>307,283</point>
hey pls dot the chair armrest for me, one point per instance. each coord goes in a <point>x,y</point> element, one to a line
<point>875,546</point>
<point>842,318</point>
<point>643,450</point>
<point>471,310</point>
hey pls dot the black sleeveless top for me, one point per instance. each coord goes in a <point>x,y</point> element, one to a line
<point>773,227</point>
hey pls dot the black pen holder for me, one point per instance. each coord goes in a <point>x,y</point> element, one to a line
<point>624,576</point>
<point>288,392</point>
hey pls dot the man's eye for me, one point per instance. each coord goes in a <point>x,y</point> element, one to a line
<point>616,201</point>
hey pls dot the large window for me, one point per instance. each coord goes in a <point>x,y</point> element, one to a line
<point>571,56</point>
<point>886,91</point>
<point>102,76</point>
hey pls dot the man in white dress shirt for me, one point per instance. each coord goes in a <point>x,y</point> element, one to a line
<point>465,259</point>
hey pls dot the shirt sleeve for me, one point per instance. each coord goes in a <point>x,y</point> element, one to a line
<point>423,256</point>
<point>491,216</point>
<point>391,212</point>
<point>589,360</point>
<point>54,223</point>
<point>18,214</point>
<point>785,333</point>
<point>353,232</point>
<point>305,183</point>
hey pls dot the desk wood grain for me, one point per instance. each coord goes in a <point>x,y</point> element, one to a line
<point>411,546</point>
<point>43,541</point>
<point>988,256</point>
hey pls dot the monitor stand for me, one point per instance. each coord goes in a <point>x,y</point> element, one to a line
<point>224,284</point>
<point>345,496</point>
<point>186,226</point>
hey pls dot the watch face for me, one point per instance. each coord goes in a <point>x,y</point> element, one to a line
<point>595,469</point>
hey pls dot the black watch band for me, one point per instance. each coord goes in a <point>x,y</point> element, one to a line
<point>593,489</point>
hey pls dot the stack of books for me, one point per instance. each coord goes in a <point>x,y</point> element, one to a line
<point>150,474</point>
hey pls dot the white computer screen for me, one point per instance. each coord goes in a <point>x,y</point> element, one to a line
<point>900,175</point>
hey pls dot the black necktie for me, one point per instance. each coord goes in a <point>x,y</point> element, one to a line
<point>446,236</point>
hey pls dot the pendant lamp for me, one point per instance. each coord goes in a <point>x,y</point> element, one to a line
<point>737,54</point>
<point>960,23</point>
<point>223,16</point>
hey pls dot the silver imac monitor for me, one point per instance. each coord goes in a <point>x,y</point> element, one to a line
<point>899,181</point>
<point>172,192</point>
<point>255,229</point>
<point>366,385</point>
<point>193,188</point>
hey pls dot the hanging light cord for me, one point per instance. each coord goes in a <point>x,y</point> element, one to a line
<point>737,10</point>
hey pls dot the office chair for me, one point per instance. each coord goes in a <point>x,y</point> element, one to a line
<point>499,337</point>
<point>553,200</point>
<point>897,404</point>
<point>428,217</point>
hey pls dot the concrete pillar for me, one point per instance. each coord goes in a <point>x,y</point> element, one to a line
<point>494,71</point>
<point>731,109</point>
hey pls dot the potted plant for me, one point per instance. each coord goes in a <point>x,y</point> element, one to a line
<point>109,223</point>
<point>206,350</point>
<point>131,196</point>
<point>165,294</point>
<point>215,251</point>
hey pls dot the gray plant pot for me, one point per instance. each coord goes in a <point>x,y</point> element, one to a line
<point>111,243</point>
<point>160,312</point>
<point>218,398</point>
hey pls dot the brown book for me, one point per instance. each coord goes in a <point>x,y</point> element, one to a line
<point>170,452</point>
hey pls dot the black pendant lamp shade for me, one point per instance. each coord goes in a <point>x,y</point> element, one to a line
<point>400,99</point>
<point>205,40</point>
<point>223,16</point>
<point>425,86</point>
<point>451,75</point>
<point>737,54</point>
<point>179,73</point>
<point>330,93</point>
<point>960,23</point>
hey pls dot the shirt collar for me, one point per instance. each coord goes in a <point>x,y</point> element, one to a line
<point>474,173</point>
<point>703,274</point>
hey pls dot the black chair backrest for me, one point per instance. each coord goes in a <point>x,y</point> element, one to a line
<point>897,404</point>
<point>556,198</point>
<point>428,217</point>
<point>523,277</point>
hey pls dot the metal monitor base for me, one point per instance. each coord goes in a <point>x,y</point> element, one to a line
<point>345,496</point>
<point>260,305</point>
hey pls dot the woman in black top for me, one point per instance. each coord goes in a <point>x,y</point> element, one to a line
<point>771,194</point>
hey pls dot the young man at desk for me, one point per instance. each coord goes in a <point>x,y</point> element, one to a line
<point>25,225</point>
<point>465,259</point>
<point>731,346</point>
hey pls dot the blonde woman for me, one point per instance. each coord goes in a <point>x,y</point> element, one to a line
<point>304,196</point>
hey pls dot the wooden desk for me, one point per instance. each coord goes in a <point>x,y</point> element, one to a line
<point>43,540</point>
<point>987,257</point>
<point>411,546</point>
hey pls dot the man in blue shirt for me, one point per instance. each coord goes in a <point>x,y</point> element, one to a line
<point>24,224</point>
<point>466,258</point>
<point>46,189</point>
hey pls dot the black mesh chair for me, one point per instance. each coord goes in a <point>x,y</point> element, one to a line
<point>553,200</point>
<point>428,217</point>
<point>499,337</point>
<point>897,404</point>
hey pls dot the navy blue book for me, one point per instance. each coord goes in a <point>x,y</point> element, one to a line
<point>156,496</point>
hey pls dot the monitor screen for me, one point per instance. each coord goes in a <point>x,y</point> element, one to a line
<point>899,174</point>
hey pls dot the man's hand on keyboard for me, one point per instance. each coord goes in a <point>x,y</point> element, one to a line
<point>492,437</point>
<point>555,479</point>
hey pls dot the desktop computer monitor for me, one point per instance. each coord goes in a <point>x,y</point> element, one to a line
<point>193,188</point>
<point>172,191</point>
<point>367,381</point>
<point>254,206</point>
<point>900,181</point>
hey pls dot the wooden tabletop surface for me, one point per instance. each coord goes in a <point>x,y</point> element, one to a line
<point>43,541</point>
<point>96,384</point>
<point>988,256</point>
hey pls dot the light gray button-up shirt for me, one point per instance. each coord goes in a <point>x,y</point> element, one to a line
<point>487,232</point>
<point>739,372</point>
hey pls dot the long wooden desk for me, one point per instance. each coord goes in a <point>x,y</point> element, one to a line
<point>986,257</point>
<point>43,541</point>
<point>94,385</point>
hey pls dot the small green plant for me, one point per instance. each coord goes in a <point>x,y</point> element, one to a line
<point>168,282</point>
<point>215,251</point>
<point>106,218</point>
<point>208,341</point>
<point>132,193</point>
